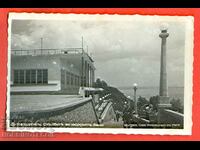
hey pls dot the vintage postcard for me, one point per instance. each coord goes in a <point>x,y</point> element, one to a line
<point>118,74</point>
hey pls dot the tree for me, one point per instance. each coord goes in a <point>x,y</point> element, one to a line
<point>100,83</point>
<point>127,116</point>
<point>141,102</point>
<point>176,105</point>
<point>154,100</point>
<point>141,106</point>
<point>97,84</point>
<point>103,84</point>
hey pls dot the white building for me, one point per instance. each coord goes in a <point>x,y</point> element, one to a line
<point>61,71</point>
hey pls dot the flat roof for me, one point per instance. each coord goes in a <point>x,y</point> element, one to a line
<point>39,52</point>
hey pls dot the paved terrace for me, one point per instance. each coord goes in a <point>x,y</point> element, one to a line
<point>33,108</point>
<point>43,103</point>
<point>58,108</point>
<point>51,109</point>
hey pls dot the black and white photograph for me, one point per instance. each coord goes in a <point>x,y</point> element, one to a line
<point>82,73</point>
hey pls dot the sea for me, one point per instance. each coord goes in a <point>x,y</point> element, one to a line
<point>147,92</point>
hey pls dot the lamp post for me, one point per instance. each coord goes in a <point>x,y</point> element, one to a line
<point>135,98</point>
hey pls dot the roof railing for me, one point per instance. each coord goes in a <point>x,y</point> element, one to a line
<point>21,52</point>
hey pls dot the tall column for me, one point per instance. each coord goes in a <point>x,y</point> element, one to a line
<point>163,91</point>
<point>85,75</point>
<point>86,66</point>
<point>93,77</point>
<point>87,78</point>
<point>82,71</point>
<point>90,76</point>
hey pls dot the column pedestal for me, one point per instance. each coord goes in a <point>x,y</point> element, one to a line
<point>164,101</point>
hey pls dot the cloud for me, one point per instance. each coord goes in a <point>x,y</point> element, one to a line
<point>22,41</point>
<point>124,51</point>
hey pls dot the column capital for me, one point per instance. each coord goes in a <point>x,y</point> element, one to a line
<point>163,35</point>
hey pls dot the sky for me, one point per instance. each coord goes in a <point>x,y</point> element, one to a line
<point>125,51</point>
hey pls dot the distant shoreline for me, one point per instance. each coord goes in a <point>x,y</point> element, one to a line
<point>147,87</point>
<point>148,92</point>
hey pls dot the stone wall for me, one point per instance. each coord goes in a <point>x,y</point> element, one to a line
<point>82,114</point>
<point>167,116</point>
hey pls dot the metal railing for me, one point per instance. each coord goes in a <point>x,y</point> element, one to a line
<point>46,51</point>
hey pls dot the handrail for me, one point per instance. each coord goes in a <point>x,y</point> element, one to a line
<point>107,106</point>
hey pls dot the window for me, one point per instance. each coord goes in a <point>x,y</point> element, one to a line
<point>21,76</point>
<point>33,76</point>
<point>72,79</point>
<point>16,76</point>
<point>28,76</point>
<point>45,76</point>
<point>39,76</point>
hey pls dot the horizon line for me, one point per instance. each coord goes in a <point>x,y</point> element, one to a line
<point>149,86</point>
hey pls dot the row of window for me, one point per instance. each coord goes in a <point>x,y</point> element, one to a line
<point>31,76</point>
<point>40,76</point>
<point>68,78</point>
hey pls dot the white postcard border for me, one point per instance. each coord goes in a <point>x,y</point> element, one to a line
<point>188,73</point>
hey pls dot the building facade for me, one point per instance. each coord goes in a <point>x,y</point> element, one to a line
<point>61,71</point>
